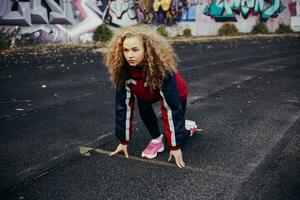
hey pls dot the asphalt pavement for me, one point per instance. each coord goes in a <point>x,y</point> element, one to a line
<point>57,125</point>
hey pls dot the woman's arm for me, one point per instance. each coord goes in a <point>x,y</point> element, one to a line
<point>173,114</point>
<point>124,116</point>
<point>124,106</point>
<point>173,117</point>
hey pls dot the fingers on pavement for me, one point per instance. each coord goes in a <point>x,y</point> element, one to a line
<point>117,151</point>
<point>179,162</point>
<point>113,153</point>
<point>126,154</point>
<point>170,158</point>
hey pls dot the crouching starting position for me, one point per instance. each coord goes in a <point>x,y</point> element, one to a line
<point>142,66</point>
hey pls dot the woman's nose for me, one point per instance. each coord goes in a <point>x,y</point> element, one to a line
<point>130,54</point>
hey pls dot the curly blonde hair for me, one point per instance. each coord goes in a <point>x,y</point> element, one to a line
<point>159,56</point>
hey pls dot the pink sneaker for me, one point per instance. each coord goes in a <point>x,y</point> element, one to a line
<point>192,131</point>
<point>191,126</point>
<point>152,149</point>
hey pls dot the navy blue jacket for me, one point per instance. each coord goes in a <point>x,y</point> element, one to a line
<point>170,95</point>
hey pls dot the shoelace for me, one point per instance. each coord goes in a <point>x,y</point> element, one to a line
<point>151,145</point>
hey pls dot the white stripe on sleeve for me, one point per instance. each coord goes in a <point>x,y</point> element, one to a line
<point>170,120</point>
<point>128,113</point>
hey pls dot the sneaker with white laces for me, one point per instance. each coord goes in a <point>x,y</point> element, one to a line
<point>152,149</point>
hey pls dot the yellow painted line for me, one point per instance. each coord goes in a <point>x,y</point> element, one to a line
<point>162,163</point>
<point>85,151</point>
<point>224,173</point>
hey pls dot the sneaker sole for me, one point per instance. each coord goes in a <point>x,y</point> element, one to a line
<point>161,149</point>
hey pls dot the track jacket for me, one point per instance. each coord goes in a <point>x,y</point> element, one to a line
<point>170,95</point>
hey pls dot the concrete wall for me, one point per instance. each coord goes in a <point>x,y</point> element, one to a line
<point>75,21</point>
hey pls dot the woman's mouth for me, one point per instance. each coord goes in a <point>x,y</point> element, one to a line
<point>130,61</point>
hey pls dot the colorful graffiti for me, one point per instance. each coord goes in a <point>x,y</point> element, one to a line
<point>73,20</point>
<point>144,11</point>
<point>222,10</point>
<point>33,12</point>
<point>121,13</point>
<point>294,7</point>
<point>76,20</point>
<point>92,13</point>
<point>166,12</point>
<point>189,14</point>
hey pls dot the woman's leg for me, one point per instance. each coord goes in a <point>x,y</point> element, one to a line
<point>149,117</point>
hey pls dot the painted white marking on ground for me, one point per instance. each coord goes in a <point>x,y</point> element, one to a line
<point>216,172</point>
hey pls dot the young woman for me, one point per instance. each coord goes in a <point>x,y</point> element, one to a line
<point>142,65</point>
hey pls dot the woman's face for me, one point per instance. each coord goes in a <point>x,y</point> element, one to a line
<point>133,49</point>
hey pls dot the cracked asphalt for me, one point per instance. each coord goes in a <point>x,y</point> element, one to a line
<point>57,125</point>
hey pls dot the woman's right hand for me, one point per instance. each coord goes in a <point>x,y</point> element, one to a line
<point>120,148</point>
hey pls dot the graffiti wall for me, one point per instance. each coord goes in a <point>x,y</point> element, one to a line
<point>75,20</point>
<point>294,7</point>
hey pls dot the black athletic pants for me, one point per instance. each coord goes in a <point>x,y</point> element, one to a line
<point>149,117</point>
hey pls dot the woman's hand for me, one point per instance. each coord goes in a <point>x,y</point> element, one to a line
<point>121,147</point>
<point>178,157</point>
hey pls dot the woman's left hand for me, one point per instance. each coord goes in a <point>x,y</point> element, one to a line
<point>178,157</point>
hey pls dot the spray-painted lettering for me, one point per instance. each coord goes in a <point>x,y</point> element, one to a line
<point>223,10</point>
